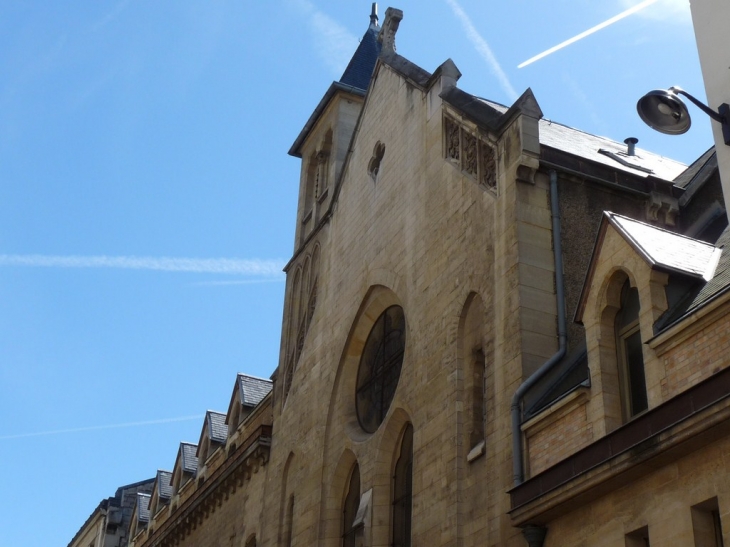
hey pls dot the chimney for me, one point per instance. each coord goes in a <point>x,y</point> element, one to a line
<point>631,143</point>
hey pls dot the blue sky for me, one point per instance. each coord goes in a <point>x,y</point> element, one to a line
<point>147,201</point>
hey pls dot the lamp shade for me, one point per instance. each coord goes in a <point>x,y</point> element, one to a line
<point>664,111</point>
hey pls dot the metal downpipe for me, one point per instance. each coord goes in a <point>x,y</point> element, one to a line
<point>516,408</point>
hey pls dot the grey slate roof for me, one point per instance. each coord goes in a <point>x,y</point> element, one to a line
<point>355,79</point>
<point>217,428</point>
<point>721,279</point>
<point>600,149</point>
<point>585,145</point>
<point>702,167</point>
<point>719,284</point>
<point>668,250</point>
<point>189,460</point>
<point>360,69</point>
<point>164,484</point>
<point>252,390</point>
<point>143,507</point>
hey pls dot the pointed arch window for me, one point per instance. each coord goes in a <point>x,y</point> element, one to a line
<point>350,531</point>
<point>403,491</point>
<point>629,354</point>
<point>289,522</point>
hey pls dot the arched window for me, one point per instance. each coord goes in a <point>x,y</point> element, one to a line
<point>350,532</point>
<point>477,397</point>
<point>472,347</point>
<point>289,521</point>
<point>629,354</point>
<point>403,491</point>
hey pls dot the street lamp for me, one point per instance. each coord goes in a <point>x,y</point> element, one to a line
<point>664,111</point>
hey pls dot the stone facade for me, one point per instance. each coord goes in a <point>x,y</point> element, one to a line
<point>498,419</point>
<point>109,524</point>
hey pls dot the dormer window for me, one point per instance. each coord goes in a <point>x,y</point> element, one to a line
<point>629,354</point>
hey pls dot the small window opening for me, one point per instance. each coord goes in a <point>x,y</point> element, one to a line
<point>706,524</point>
<point>403,492</point>
<point>351,532</point>
<point>629,353</point>
<point>477,428</point>
<point>638,538</point>
<point>374,165</point>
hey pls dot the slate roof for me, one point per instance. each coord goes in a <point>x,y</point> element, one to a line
<point>601,149</point>
<point>252,390</point>
<point>668,250</point>
<point>164,484</point>
<point>702,167</point>
<point>719,284</point>
<point>721,279</point>
<point>189,460</point>
<point>606,151</point>
<point>143,507</point>
<point>355,79</point>
<point>360,69</point>
<point>217,428</point>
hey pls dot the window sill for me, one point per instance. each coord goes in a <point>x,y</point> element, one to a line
<point>477,452</point>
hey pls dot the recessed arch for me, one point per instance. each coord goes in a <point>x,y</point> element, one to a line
<point>615,388</point>
<point>336,496</point>
<point>388,452</point>
<point>472,350</point>
<point>377,300</point>
<point>286,504</point>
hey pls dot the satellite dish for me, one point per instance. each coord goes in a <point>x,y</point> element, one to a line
<point>663,110</point>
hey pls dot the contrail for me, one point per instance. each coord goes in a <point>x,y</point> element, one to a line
<point>638,7</point>
<point>333,43</point>
<point>99,427</point>
<point>483,49</point>
<point>238,282</point>
<point>166,264</point>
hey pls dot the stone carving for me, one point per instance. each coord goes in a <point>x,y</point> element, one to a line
<point>473,155</point>
<point>452,140</point>
<point>470,153</point>
<point>487,167</point>
<point>386,36</point>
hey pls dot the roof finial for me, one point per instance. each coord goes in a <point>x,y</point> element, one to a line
<point>374,16</point>
<point>386,36</point>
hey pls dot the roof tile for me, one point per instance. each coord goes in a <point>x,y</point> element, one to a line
<point>252,390</point>
<point>667,249</point>
<point>217,428</point>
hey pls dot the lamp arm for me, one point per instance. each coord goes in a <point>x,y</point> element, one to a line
<point>706,109</point>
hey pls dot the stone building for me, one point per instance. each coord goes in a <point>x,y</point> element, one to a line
<point>498,330</point>
<point>109,524</point>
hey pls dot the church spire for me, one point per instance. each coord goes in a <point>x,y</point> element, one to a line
<point>358,71</point>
